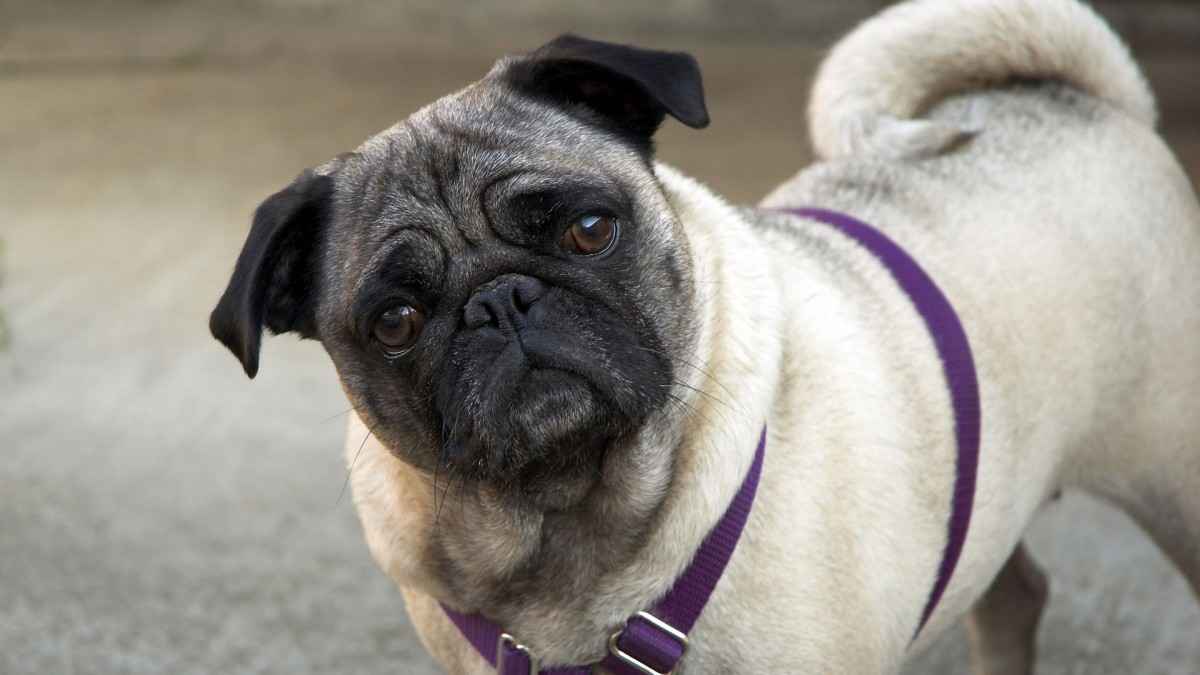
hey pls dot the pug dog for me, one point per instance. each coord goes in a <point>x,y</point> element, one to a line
<point>562,354</point>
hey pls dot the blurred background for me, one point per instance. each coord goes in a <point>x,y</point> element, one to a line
<point>160,513</point>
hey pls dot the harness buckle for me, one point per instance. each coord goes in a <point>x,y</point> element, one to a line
<point>508,646</point>
<point>628,659</point>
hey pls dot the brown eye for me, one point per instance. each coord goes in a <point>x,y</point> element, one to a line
<point>590,235</point>
<point>397,328</point>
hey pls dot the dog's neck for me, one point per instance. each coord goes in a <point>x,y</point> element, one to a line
<point>561,580</point>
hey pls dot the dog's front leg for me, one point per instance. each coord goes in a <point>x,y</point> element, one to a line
<point>1002,626</point>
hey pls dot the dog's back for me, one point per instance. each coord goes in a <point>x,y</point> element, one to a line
<point>1009,146</point>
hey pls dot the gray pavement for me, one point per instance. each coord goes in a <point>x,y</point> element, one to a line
<point>159,513</point>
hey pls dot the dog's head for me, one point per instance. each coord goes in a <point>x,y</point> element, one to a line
<point>499,280</point>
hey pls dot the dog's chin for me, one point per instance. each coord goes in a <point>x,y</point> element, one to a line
<point>561,422</point>
<point>547,487</point>
<point>542,438</point>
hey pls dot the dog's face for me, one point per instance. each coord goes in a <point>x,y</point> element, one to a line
<point>499,280</point>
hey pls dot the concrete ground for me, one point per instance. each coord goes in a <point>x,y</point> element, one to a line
<point>159,513</point>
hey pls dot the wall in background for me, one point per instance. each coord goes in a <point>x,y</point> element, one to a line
<point>1149,24</point>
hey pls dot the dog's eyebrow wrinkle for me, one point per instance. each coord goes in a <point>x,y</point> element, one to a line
<point>439,186</point>
<point>397,230</point>
<point>384,251</point>
<point>455,168</point>
<point>485,195</point>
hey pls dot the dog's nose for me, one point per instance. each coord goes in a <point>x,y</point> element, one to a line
<point>503,302</point>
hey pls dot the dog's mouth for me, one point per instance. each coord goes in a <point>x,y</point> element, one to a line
<point>531,407</point>
<point>523,419</point>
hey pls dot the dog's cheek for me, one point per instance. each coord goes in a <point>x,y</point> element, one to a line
<point>393,412</point>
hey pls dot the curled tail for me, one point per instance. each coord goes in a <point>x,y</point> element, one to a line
<point>900,62</point>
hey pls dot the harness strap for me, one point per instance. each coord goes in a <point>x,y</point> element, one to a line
<point>958,366</point>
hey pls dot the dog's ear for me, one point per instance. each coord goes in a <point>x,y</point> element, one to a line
<point>631,88</point>
<point>274,280</point>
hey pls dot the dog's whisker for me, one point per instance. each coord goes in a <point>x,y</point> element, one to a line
<point>353,463</point>
<point>689,408</point>
<point>685,362</point>
<point>343,413</point>
<point>693,408</point>
<point>462,494</point>
<point>436,470</point>
<point>707,395</point>
<point>335,416</point>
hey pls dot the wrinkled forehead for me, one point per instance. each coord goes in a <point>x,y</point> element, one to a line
<point>440,162</point>
<point>444,157</point>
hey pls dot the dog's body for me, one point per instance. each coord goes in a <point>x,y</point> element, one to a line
<point>1068,241</point>
<point>1079,296</point>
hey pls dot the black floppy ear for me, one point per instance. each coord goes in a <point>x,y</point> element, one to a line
<point>631,88</point>
<point>274,280</point>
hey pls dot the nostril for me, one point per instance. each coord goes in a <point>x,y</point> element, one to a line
<point>502,301</point>
<point>476,312</point>
<point>527,291</point>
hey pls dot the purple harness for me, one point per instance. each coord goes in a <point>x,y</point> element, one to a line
<point>652,642</point>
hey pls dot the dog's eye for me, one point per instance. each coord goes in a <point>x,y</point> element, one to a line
<point>590,235</point>
<point>398,327</point>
